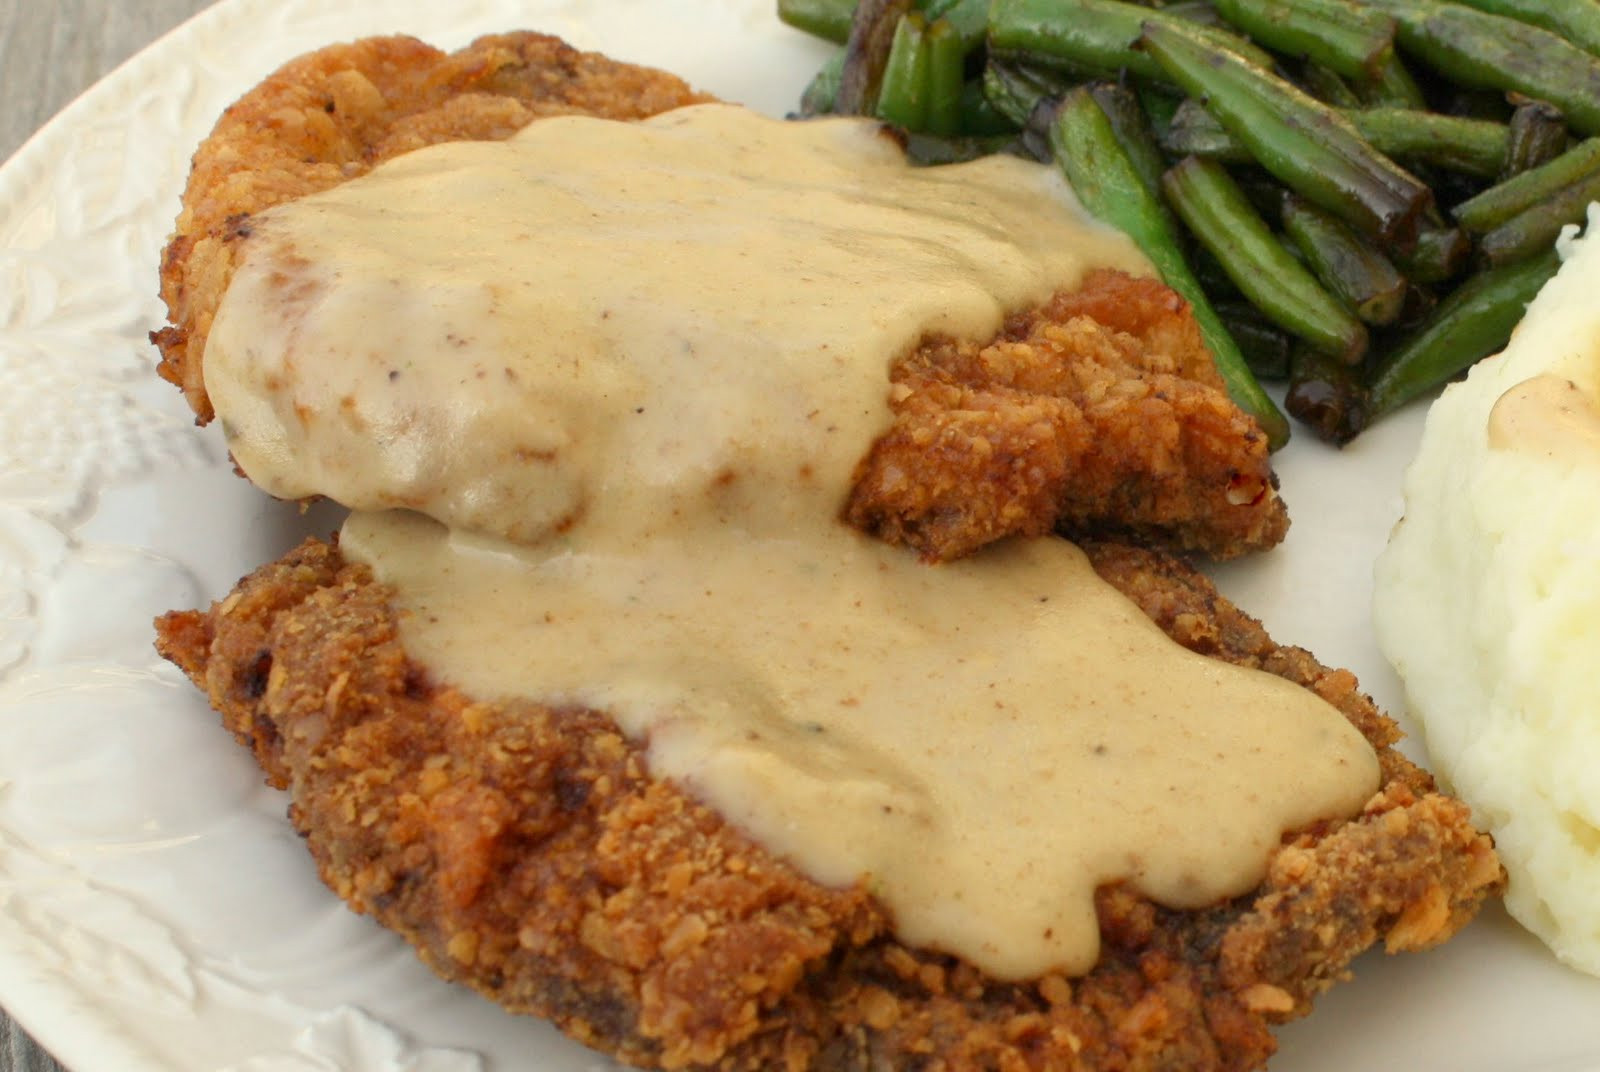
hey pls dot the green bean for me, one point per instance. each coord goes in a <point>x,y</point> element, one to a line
<point>1309,147</point>
<point>1217,213</point>
<point>872,33</point>
<point>979,117</point>
<point>1500,203</point>
<point>1110,188</point>
<point>1349,267</point>
<point>1211,274</point>
<point>1480,49</point>
<point>1472,323</point>
<point>1265,194</point>
<point>1474,146</point>
<point>1474,103</point>
<point>822,92</point>
<point>1327,86</point>
<point>1325,395</point>
<point>1440,253</point>
<point>928,149</point>
<point>1538,134</point>
<point>903,96</point>
<point>1349,40</point>
<point>1160,104</point>
<point>1394,87</point>
<point>828,19</point>
<point>1015,90</point>
<point>1536,227</point>
<point>945,79</point>
<point>1194,131</point>
<point>1085,36</point>
<point>1132,131</point>
<point>1576,20</point>
<point>1265,346</point>
<point>1421,301</point>
<point>1201,11</point>
<point>968,18</point>
<point>1092,36</point>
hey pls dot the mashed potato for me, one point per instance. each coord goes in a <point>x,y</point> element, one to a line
<point>1488,602</point>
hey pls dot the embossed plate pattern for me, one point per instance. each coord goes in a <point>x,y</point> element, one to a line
<point>156,910</point>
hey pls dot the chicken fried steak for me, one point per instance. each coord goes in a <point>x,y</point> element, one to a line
<point>527,852</point>
<point>1099,408</point>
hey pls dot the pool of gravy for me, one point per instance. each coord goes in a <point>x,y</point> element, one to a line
<point>596,394</point>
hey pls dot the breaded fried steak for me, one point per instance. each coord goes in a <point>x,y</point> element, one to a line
<point>614,696</point>
<point>1098,409</point>
<point>527,851</point>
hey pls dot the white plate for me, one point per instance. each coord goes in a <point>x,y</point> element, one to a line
<point>156,910</point>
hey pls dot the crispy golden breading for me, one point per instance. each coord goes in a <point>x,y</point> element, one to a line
<point>527,852</point>
<point>339,112</point>
<point>1099,411</point>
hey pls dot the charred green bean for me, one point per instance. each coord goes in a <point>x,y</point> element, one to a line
<point>1219,214</point>
<point>1265,346</point>
<point>1350,40</point>
<point>1536,227</point>
<point>1480,49</point>
<point>903,94</point>
<point>1473,146</point>
<point>1132,130</point>
<point>1350,268</point>
<point>828,19</point>
<point>872,33</point>
<point>822,92</point>
<point>1394,87</point>
<point>1472,323</point>
<point>928,149</point>
<point>1092,36</point>
<point>1326,395</point>
<point>1310,147</point>
<point>1500,203</point>
<point>1015,90</point>
<point>1576,20</point>
<point>979,117</point>
<point>1538,134</point>
<point>945,78</point>
<point>1194,131</point>
<point>1328,87</point>
<point>1440,253</point>
<point>1106,181</point>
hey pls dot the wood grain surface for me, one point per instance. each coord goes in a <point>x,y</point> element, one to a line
<point>51,51</point>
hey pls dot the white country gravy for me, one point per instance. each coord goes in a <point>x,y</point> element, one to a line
<point>629,369</point>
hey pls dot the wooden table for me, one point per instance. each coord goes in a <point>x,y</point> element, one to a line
<point>50,51</point>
